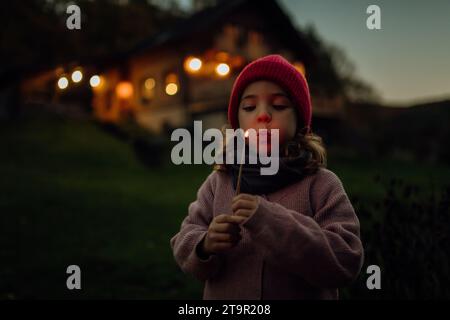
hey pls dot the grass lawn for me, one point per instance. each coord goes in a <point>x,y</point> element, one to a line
<point>72,194</point>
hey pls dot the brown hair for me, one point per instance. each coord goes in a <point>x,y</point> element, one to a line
<point>301,141</point>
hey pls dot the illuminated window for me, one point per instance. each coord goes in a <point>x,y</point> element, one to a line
<point>171,89</point>
<point>124,90</point>
<point>172,84</point>
<point>148,90</point>
<point>171,78</point>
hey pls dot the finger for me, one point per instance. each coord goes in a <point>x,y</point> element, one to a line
<point>244,204</point>
<point>244,213</point>
<point>222,237</point>
<point>228,218</point>
<point>226,228</point>
<point>221,218</point>
<point>244,196</point>
<point>232,238</point>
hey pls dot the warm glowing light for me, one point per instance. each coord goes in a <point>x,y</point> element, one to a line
<point>171,78</point>
<point>77,76</point>
<point>63,83</point>
<point>246,134</point>
<point>222,56</point>
<point>149,83</point>
<point>59,71</point>
<point>95,81</point>
<point>237,61</point>
<point>193,64</point>
<point>300,67</point>
<point>222,69</point>
<point>124,90</point>
<point>171,89</point>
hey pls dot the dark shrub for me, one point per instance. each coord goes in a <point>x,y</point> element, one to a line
<point>407,234</point>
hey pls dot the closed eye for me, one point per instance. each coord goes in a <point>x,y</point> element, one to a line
<point>249,108</point>
<point>280,107</point>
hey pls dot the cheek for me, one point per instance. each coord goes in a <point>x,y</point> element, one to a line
<point>284,136</point>
<point>287,127</point>
<point>244,120</point>
<point>290,133</point>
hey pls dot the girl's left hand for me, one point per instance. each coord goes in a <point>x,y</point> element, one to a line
<point>244,205</point>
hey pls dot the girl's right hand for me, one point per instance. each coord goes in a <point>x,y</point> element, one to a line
<point>223,234</point>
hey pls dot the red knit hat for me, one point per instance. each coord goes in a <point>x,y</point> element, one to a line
<point>277,69</point>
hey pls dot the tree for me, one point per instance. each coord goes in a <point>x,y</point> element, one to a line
<point>34,32</point>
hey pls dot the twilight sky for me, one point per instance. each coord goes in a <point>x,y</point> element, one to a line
<point>407,61</point>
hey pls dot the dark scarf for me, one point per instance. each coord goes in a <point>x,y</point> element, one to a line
<point>291,169</point>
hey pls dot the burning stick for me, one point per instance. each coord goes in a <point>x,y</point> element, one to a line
<point>238,187</point>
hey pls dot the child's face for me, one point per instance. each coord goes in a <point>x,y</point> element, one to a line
<point>265,105</point>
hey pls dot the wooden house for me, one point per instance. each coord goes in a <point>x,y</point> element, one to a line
<point>186,73</point>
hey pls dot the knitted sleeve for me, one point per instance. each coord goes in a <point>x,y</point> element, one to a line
<point>324,249</point>
<point>193,228</point>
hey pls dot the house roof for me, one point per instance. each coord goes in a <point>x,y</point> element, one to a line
<point>206,19</point>
<point>211,17</point>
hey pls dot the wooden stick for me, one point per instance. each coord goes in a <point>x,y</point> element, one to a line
<point>238,187</point>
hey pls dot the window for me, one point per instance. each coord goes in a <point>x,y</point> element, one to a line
<point>172,84</point>
<point>148,90</point>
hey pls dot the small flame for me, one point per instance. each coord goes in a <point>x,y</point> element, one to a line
<point>246,134</point>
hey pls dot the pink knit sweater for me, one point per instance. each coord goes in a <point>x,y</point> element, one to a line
<point>301,243</point>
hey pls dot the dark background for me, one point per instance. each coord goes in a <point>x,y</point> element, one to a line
<point>107,198</point>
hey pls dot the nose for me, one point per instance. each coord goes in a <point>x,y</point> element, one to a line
<point>264,117</point>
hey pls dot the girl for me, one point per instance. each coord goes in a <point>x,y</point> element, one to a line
<point>292,235</point>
